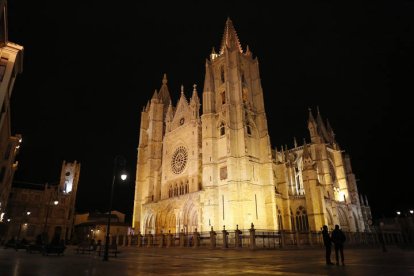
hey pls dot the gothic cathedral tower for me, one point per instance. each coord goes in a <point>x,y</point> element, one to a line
<point>237,162</point>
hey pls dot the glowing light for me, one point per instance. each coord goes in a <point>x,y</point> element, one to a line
<point>56,202</point>
<point>411,212</point>
<point>28,213</point>
<point>124,176</point>
<point>1,216</point>
<point>25,224</point>
<point>20,140</point>
<point>398,213</point>
<point>8,220</point>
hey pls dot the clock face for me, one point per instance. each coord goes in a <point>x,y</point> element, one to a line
<point>179,160</point>
<point>67,173</point>
<point>181,121</point>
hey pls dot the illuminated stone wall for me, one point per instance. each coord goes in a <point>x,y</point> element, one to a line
<point>218,168</point>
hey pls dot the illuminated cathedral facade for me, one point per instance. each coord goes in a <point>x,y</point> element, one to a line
<point>201,170</point>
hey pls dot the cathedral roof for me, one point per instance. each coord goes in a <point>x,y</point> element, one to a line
<point>230,38</point>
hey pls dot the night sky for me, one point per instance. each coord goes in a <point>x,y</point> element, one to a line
<point>90,67</point>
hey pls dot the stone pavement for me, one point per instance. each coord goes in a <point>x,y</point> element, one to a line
<point>190,261</point>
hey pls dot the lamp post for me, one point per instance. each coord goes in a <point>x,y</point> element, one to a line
<point>119,162</point>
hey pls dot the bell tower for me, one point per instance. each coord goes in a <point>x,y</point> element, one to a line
<point>237,162</point>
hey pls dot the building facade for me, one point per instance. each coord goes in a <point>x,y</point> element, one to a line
<point>11,64</point>
<point>195,171</point>
<point>46,210</point>
<point>93,226</point>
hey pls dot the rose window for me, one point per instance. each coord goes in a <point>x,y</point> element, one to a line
<point>179,160</point>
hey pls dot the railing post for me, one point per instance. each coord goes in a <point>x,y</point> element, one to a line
<point>150,240</point>
<point>139,239</point>
<point>282,239</point>
<point>237,237</point>
<point>161,240</point>
<point>182,238</point>
<point>225,238</point>
<point>196,238</point>
<point>213,235</point>
<point>252,237</point>
<point>169,239</point>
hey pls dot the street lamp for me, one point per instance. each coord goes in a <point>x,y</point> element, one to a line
<point>119,163</point>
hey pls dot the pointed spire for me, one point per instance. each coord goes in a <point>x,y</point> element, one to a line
<point>230,38</point>
<point>306,152</point>
<point>164,94</point>
<point>248,53</point>
<point>321,126</point>
<point>155,95</point>
<point>213,54</point>
<point>361,200</point>
<point>311,119</point>
<point>331,133</point>
<point>366,201</point>
<point>295,143</point>
<point>182,90</point>
<point>194,91</point>
<point>170,113</point>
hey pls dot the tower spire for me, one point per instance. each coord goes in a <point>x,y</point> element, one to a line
<point>164,94</point>
<point>230,38</point>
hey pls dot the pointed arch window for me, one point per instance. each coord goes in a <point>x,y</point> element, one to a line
<point>222,129</point>
<point>223,97</point>
<point>222,77</point>
<point>248,129</point>
<point>302,224</point>
<point>176,190</point>
<point>279,219</point>
<point>170,191</point>
<point>181,189</point>
<point>186,187</point>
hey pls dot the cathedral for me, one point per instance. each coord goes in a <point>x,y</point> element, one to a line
<point>217,168</point>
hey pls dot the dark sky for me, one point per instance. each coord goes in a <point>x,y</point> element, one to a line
<point>89,67</point>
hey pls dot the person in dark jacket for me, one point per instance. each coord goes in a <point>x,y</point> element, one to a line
<point>338,238</point>
<point>328,244</point>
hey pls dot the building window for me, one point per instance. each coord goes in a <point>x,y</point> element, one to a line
<point>248,129</point>
<point>186,188</point>
<point>170,191</point>
<point>175,190</point>
<point>222,129</point>
<point>302,224</point>
<point>279,220</point>
<point>223,97</point>
<point>223,173</point>
<point>222,74</point>
<point>181,189</point>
